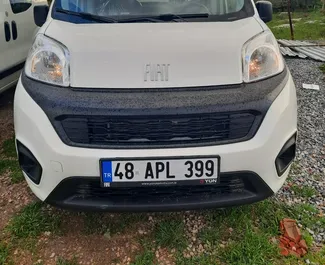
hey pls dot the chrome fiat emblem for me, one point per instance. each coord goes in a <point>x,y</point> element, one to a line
<point>156,72</point>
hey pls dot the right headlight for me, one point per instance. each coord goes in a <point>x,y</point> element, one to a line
<point>48,61</point>
<point>261,58</point>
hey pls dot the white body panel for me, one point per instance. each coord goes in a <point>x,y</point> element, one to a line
<point>14,52</point>
<point>60,161</point>
<point>115,55</point>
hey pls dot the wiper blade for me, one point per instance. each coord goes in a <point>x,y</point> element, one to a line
<point>158,18</point>
<point>87,16</point>
<point>164,17</point>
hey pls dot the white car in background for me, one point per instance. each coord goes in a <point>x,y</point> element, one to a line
<point>17,29</point>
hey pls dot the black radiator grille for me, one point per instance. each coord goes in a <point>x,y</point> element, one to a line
<point>157,130</point>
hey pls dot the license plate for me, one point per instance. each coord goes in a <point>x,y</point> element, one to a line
<point>159,171</point>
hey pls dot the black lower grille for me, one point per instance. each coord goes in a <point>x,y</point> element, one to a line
<point>157,130</point>
<point>94,190</point>
<point>86,193</point>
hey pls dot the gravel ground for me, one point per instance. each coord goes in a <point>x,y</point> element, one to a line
<point>308,171</point>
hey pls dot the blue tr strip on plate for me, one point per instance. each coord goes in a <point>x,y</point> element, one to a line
<point>107,171</point>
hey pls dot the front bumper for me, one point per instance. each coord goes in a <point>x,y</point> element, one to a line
<point>252,162</point>
<point>235,188</point>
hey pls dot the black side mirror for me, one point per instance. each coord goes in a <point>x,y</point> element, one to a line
<point>40,15</point>
<point>265,10</point>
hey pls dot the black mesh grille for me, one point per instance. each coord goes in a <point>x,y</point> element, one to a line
<point>157,130</point>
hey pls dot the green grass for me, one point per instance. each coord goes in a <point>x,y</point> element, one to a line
<point>12,166</point>
<point>254,248</point>
<point>4,254</point>
<point>62,261</point>
<point>317,258</point>
<point>303,191</point>
<point>248,242</point>
<point>231,215</point>
<point>265,215</point>
<point>16,175</point>
<point>146,258</point>
<point>32,221</point>
<point>210,235</point>
<point>302,30</point>
<point>245,233</point>
<point>295,169</point>
<point>253,226</point>
<point>306,214</point>
<point>9,162</point>
<point>171,234</point>
<point>308,238</point>
<point>322,68</point>
<point>6,164</point>
<point>9,148</point>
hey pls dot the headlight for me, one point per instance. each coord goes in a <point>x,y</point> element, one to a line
<point>261,58</point>
<point>48,61</point>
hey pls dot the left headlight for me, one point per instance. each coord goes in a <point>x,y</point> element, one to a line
<point>48,61</point>
<point>261,58</point>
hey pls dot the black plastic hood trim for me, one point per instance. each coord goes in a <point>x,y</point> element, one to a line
<point>61,101</point>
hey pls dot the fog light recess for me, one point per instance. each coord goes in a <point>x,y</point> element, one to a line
<point>29,163</point>
<point>286,155</point>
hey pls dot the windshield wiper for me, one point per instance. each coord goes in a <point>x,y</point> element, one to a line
<point>87,16</point>
<point>164,17</point>
<point>158,18</point>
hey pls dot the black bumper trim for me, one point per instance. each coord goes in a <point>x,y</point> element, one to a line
<point>287,155</point>
<point>28,163</point>
<point>82,193</point>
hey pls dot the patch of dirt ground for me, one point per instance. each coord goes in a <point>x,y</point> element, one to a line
<point>13,197</point>
<point>87,249</point>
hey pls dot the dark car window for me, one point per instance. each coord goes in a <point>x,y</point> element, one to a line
<point>19,6</point>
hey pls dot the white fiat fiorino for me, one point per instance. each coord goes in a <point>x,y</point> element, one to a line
<point>151,105</point>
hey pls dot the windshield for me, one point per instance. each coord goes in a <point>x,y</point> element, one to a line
<point>215,10</point>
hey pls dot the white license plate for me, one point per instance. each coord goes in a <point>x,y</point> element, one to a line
<point>160,171</point>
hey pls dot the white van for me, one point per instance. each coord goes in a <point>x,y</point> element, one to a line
<point>16,35</point>
<point>150,105</point>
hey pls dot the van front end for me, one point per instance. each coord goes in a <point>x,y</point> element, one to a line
<point>152,115</point>
<point>66,138</point>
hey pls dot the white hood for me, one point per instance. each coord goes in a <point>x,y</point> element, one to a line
<point>118,55</point>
